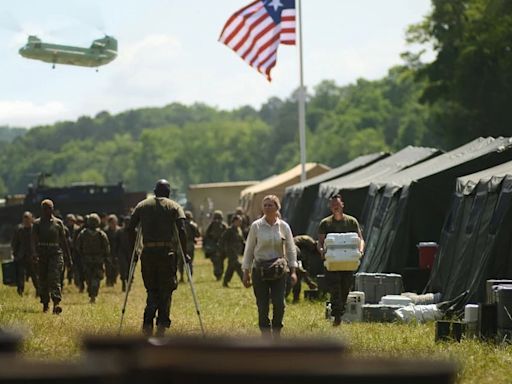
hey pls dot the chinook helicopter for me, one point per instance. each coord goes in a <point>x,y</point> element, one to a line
<point>102,51</point>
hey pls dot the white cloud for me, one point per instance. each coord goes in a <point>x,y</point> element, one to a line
<point>24,113</point>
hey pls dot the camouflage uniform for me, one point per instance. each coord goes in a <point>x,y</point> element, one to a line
<point>158,216</point>
<point>231,245</point>
<point>192,230</point>
<point>307,254</point>
<point>50,244</point>
<point>112,262</point>
<point>211,243</point>
<point>93,246</point>
<point>24,258</point>
<point>124,255</point>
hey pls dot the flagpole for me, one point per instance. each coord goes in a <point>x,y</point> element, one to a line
<point>301,100</point>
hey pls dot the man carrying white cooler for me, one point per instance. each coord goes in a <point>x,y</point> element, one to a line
<point>341,253</point>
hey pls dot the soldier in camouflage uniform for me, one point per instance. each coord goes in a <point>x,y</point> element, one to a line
<point>162,223</point>
<point>231,245</point>
<point>78,267</point>
<point>112,263</point>
<point>71,234</point>
<point>23,253</point>
<point>93,247</point>
<point>51,247</point>
<point>124,253</point>
<point>211,243</point>
<point>193,234</point>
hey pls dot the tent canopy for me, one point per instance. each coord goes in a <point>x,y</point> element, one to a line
<point>275,185</point>
<point>354,186</point>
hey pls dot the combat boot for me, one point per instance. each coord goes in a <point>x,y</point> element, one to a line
<point>337,321</point>
<point>123,285</point>
<point>92,300</point>
<point>160,331</point>
<point>57,309</point>
<point>45,307</point>
<point>147,330</point>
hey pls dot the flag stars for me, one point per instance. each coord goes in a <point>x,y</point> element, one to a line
<point>275,3</point>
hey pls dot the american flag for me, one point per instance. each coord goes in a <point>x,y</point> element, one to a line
<point>255,31</point>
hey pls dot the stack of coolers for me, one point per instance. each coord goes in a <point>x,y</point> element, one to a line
<point>382,295</point>
<point>342,254</point>
<point>342,251</point>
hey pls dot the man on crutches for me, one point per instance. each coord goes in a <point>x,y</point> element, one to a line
<point>158,217</point>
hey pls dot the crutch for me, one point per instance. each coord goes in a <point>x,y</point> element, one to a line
<point>189,275</point>
<point>131,272</point>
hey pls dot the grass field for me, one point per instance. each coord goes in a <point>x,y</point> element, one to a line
<point>232,311</point>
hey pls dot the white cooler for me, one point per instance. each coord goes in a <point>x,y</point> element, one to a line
<point>342,251</point>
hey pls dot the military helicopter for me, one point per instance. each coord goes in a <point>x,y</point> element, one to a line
<point>102,51</point>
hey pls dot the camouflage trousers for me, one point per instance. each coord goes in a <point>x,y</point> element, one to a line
<point>50,266</point>
<point>159,267</point>
<point>26,267</point>
<point>339,284</point>
<point>93,272</point>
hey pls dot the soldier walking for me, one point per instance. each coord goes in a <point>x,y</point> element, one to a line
<point>338,282</point>
<point>124,253</point>
<point>51,247</point>
<point>23,253</point>
<point>211,243</point>
<point>232,244</point>
<point>93,248</point>
<point>162,223</point>
<point>112,262</point>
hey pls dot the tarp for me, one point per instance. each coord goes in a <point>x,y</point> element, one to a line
<point>299,199</point>
<point>410,206</point>
<point>354,187</point>
<point>251,197</point>
<point>475,243</point>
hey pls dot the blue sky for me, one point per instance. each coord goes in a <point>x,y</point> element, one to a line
<point>168,52</point>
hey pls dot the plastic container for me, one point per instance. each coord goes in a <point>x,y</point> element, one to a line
<point>396,300</point>
<point>354,307</point>
<point>9,273</point>
<point>427,254</point>
<point>490,289</point>
<point>376,285</point>
<point>342,251</point>
<point>380,313</point>
<point>471,313</point>
<point>504,307</point>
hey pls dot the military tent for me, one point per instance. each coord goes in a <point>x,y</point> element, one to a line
<point>354,187</point>
<point>476,241</point>
<point>251,197</point>
<point>299,199</point>
<point>409,207</point>
<point>203,199</point>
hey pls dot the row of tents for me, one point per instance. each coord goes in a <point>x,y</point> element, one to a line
<point>460,199</point>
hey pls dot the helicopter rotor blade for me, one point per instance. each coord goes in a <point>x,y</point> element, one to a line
<point>9,22</point>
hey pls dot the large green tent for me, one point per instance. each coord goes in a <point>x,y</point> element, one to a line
<point>475,243</point>
<point>410,206</point>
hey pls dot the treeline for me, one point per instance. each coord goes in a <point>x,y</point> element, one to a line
<point>198,143</point>
<point>464,93</point>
